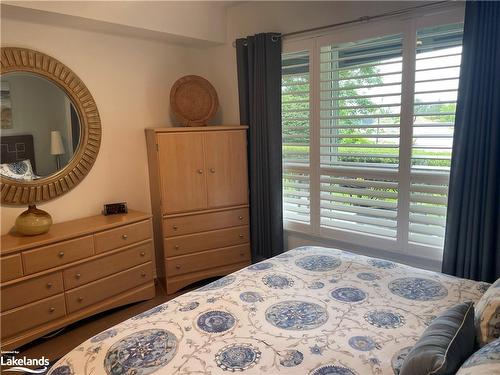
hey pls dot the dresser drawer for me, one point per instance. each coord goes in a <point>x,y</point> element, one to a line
<point>122,236</point>
<point>32,315</point>
<point>11,267</point>
<point>108,265</point>
<point>31,290</point>
<point>61,253</point>
<point>177,226</point>
<point>97,291</point>
<point>207,259</point>
<point>205,241</point>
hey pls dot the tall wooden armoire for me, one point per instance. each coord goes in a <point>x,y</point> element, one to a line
<point>199,197</point>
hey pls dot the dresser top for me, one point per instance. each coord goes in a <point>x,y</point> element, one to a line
<point>175,129</point>
<point>14,242</point>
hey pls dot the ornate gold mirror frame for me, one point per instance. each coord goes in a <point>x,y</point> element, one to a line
<point>18,192</point>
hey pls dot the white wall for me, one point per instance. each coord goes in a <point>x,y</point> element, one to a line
<point>130,80</point>
<point>183,21</point>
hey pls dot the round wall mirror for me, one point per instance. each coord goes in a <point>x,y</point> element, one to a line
<point>50,127</point>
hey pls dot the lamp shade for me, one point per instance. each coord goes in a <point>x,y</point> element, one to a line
<point>56,143</point>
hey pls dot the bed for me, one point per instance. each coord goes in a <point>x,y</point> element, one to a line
<point>310,310</point>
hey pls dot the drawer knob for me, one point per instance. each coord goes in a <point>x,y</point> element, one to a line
<point>80,299</point>
<point>49,285</point>
<point>175,227</point>
<point>240,217</point>
<point>200,171</point>
<point>178,266</point>
<point>61,254</point>
<point>241,236</point>
<point>52,309</point>
<point>143,274</point>
<point>124,236</point>
<point>176,247</point>
<point>212,170</point>
<point>78,275</point>
<point>242,254</point>
<point>142,253</point>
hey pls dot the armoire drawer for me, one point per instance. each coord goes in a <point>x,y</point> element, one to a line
<point>11,267</point>
<point>102,289</point>
<point>32,315</point>
<point>207,259</point>
<point>205,241</point>
<point>108,265</point>
<point>46,257</point>
<point>182,225</point>
<point>31,290</point>
<point>122,236</point>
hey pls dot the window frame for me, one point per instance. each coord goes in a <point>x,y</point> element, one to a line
<point>407,26</point>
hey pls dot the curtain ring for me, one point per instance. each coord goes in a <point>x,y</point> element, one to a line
<point>245,43</point>
<point>275,38</point>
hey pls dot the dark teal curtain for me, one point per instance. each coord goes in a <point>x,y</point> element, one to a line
<point>472,243</point>
<point>259,87</point>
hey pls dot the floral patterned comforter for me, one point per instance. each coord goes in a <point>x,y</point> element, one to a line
<point>311,310</point>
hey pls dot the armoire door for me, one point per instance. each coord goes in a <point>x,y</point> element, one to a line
<point>182,172</point>
<point>226,163</point>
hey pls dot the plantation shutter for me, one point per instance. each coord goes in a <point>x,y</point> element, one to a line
<point>296,137</point>
<point>437,70</point>
<point>360,104</point>
<point>368,117</point>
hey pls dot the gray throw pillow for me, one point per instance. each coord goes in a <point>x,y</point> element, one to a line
<point>444,345</point>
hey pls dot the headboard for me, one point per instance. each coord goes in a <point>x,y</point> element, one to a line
<point>16,148</point>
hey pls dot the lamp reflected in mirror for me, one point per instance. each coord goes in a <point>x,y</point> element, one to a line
<point>56,147</point>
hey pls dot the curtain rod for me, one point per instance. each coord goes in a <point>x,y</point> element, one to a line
<point>363,19</point>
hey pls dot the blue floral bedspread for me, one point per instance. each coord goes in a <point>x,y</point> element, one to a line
<point>310,310</point>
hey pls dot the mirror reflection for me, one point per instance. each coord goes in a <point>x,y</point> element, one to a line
<point>40,128</point>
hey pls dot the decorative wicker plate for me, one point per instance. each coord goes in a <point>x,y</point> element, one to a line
<point>194,100</point>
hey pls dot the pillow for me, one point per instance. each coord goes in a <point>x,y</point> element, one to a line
<point>486,361</point>
<point>444,345</point>
<point>19,170</point>
<point>488,315</point>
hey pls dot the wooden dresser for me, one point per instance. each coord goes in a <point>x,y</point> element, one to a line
<point>77,269</point>
<point>199,190</point>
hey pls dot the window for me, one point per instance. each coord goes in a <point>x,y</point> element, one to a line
<point>437,69</point>
<point>360,104</point>
<point>368,121</point>
<point>296,140</point>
